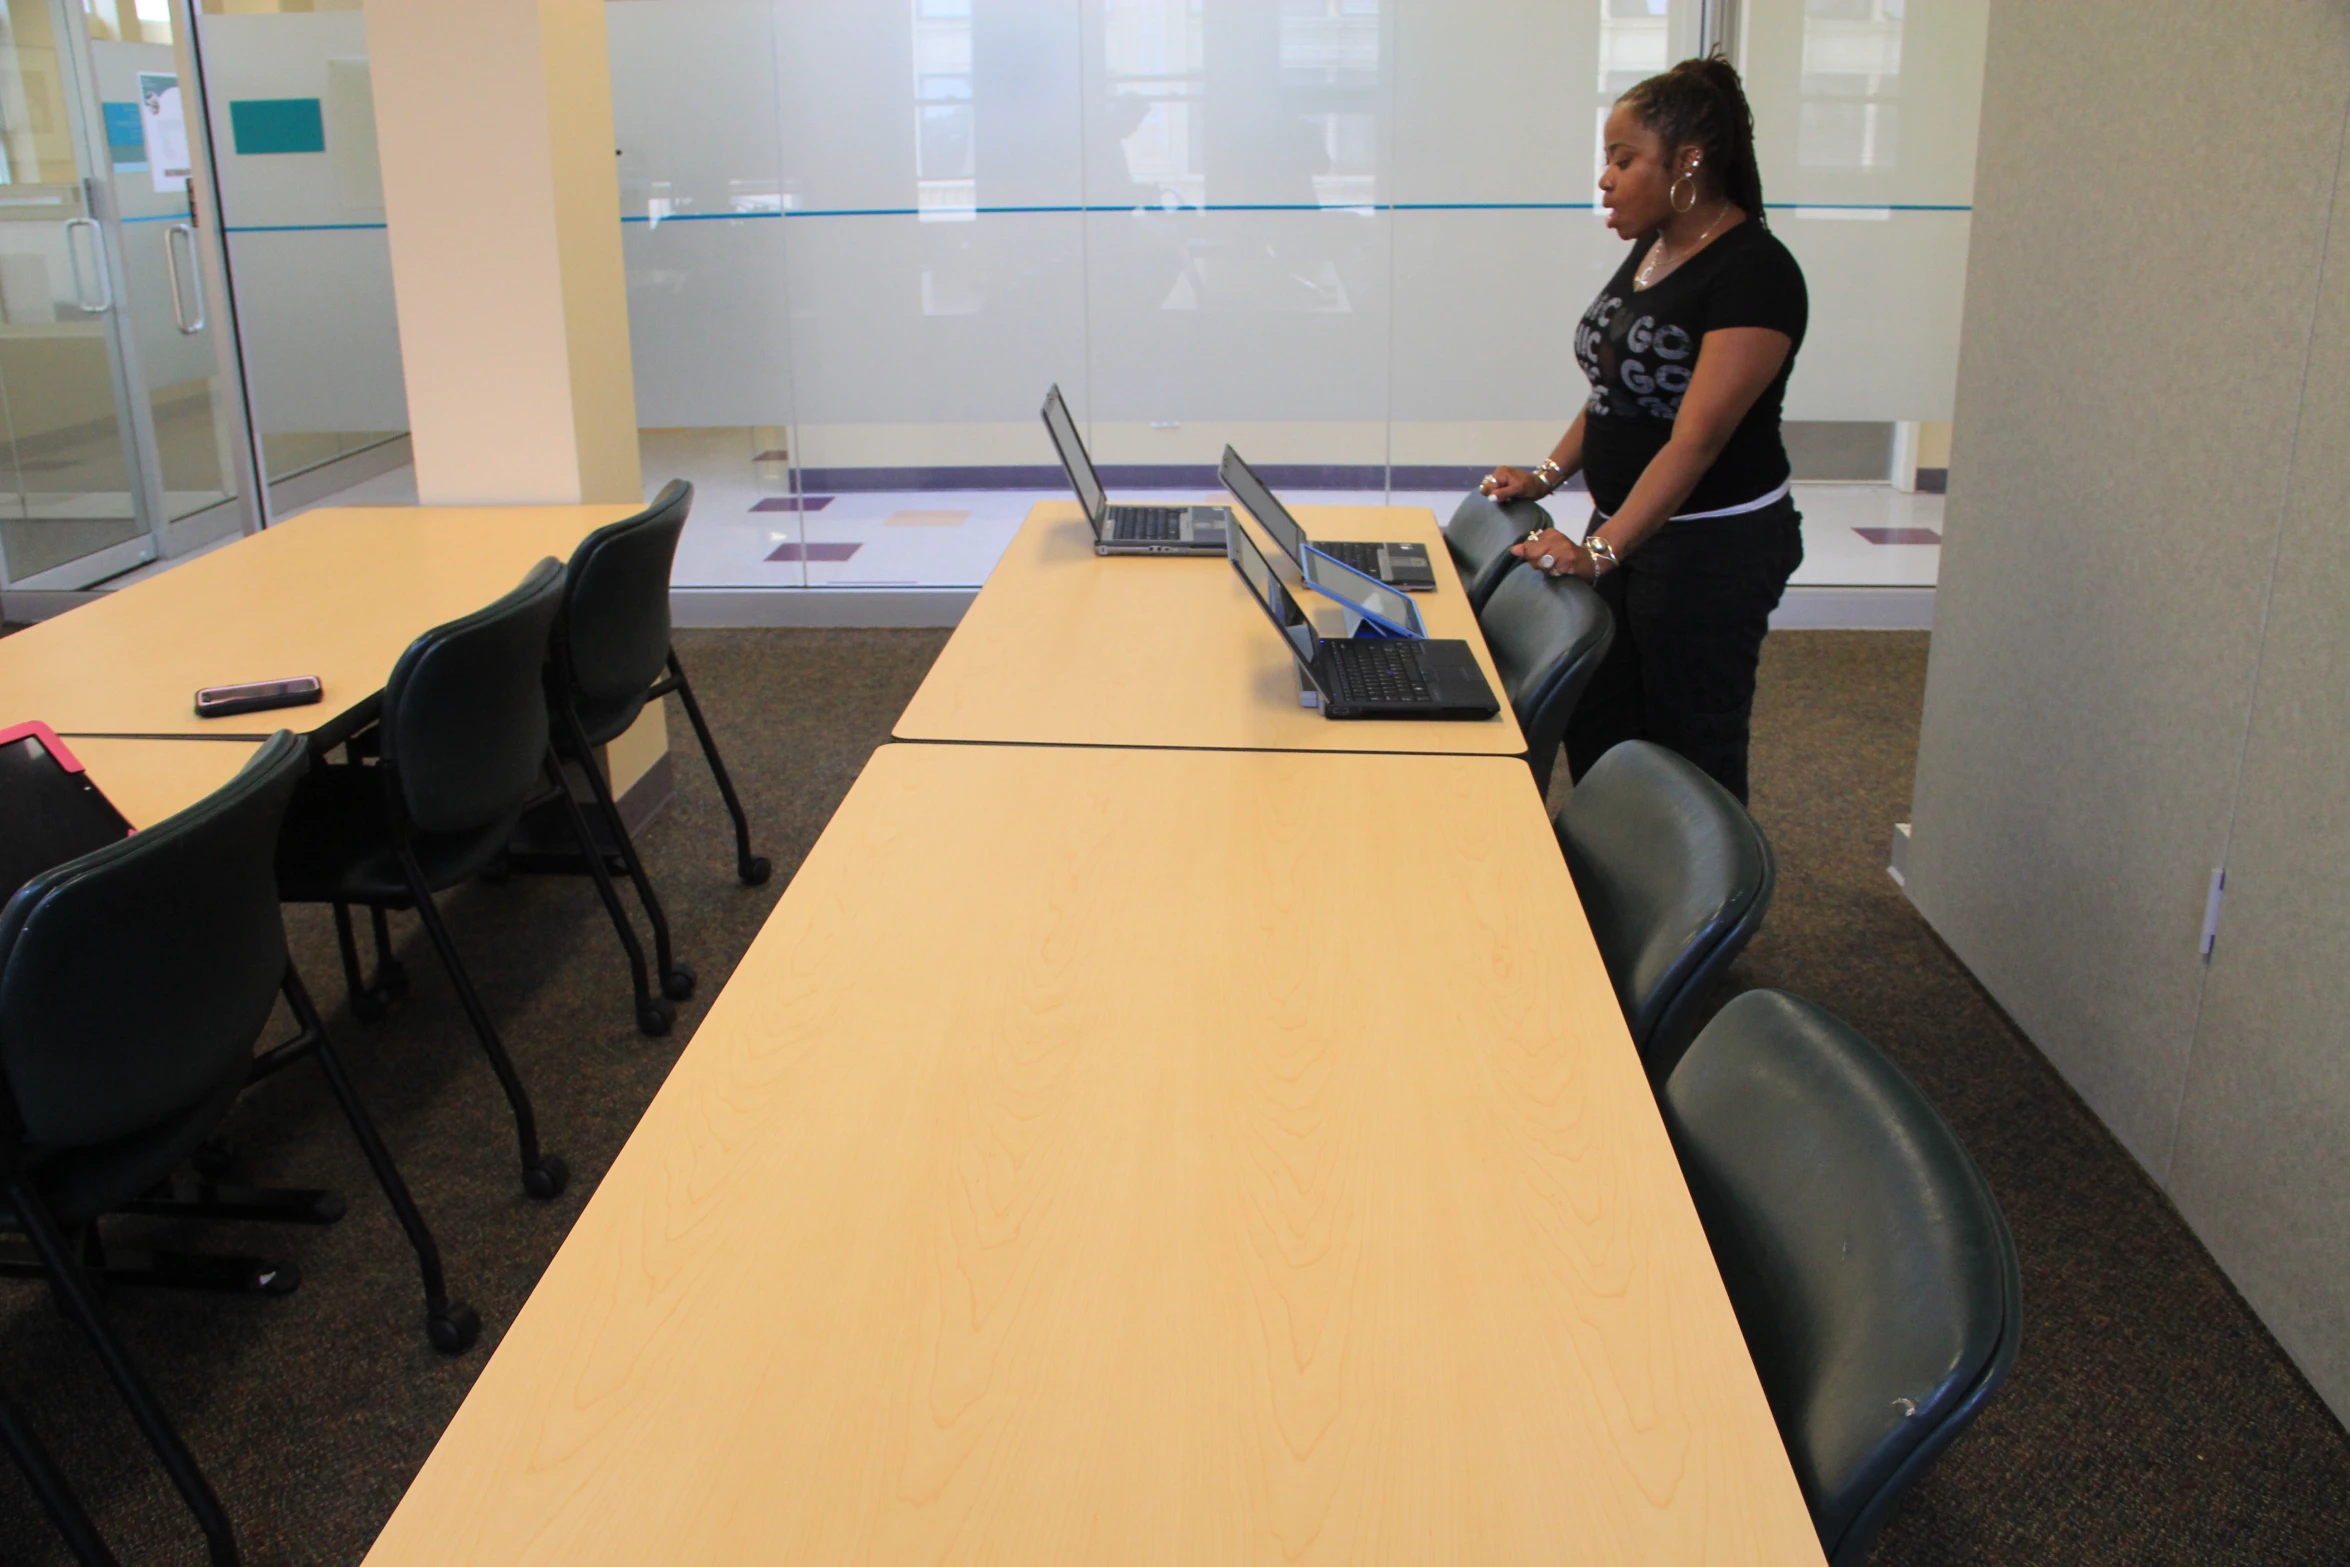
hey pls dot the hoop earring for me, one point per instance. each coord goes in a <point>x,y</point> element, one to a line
<point>1673,192</point>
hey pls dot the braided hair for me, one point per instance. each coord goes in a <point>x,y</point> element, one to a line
<point>1701,103</point>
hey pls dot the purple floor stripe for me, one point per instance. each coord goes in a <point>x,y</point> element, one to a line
<point>1899,535</point>
<point>814,552</point>
<point>794,503</point>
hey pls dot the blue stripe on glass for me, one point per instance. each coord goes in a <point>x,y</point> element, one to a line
<point>1238,206</point>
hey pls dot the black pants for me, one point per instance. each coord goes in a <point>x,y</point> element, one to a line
<point>1691,607</point>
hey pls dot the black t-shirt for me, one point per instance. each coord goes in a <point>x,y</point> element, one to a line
<point>1637,348</point>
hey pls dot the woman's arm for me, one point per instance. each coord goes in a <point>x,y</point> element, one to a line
<point>1510,484</point>
<point>1734,367</point>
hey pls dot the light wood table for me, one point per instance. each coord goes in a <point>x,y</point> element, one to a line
<point>1067,647</point>
<point>1138,1156</point>
<point>149,780</point>
<point>337,593</point>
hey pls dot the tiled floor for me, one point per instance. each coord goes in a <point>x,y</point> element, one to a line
<point>741,536</point>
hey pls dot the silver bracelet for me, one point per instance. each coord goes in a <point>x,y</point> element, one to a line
<point>1599,550</point>
<point>1551,475</point>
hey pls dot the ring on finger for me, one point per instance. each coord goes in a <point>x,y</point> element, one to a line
<point>1548,562</point>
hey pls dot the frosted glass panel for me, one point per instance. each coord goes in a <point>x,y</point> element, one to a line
<point>1349,236</point>
<point>306,241</point>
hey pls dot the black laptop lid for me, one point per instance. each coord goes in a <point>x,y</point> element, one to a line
<point>1271,515</point>
<point>50,812</point>
<point>1271,596</point>
<point>1079,467</point>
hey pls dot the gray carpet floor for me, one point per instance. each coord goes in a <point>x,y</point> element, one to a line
<point>2150,1419</point>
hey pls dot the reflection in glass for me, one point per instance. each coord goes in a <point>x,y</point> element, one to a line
<point>946,176</point>
<point>1851,76</point>
<point>1155,51</point>
<point>1635,43</point>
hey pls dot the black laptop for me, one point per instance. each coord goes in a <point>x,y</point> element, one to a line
<point>1130,530</point>
<point>1404,566</point>
<point>50,812</point>
<point>1367,677</point>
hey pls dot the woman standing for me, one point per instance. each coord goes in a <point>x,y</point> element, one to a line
<point>1693,533</point>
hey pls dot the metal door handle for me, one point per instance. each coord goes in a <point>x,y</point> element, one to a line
<point>171,262</point>
<point>73,259</point>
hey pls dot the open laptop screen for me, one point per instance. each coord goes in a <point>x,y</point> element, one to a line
<point>1271,515</point>
<point>1270,595</point>
<point>1063,430</point>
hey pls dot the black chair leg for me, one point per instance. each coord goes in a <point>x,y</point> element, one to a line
<point>48,1483</point>
<point>677,979</point>
<point>752,868</point>
<point>451,1325</point>
<point>543,1174</point>
<point>370,1002</point>
<point>73,1291</point>
<point>654,1013</point>
<point>391,975</point>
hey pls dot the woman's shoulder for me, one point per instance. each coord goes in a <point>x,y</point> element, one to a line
<point>1759,246</point>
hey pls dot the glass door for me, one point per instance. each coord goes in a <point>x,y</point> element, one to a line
<point>119,426</point>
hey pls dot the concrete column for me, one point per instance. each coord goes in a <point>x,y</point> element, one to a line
<point>494,118</point>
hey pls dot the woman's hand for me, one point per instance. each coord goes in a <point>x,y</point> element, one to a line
<point>1557,555</point>
<point>1512,484</point>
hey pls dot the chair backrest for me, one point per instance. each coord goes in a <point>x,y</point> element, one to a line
<point>1675,878</point>
<point>1870,1267</point>
<point>612,635</point>
<point>134,980</point>
<point>1479,538</point>
<point>1547,635</point>
<point>465,712</point>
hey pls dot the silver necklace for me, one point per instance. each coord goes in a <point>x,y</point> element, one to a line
<point>1657,250</point>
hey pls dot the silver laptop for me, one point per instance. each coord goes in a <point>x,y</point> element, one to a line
<point>1130,530</point>
<point>1398,565</point>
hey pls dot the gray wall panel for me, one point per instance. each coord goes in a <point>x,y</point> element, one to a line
<point>2151,199</point>
<point>2263,1163</point>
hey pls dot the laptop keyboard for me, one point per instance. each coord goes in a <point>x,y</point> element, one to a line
<point>1146,524</point>
<point>1366,670</point>
<point>1362,557</point>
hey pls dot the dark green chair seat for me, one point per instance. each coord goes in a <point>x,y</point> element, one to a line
<point>1872,1273</point>
<point>1479,538</point>
<point>1547,636</point>
<point>1675,879</point>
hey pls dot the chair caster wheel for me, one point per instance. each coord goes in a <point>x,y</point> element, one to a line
<point>453,1328</point>
<point>756,870</point>
<point>545,1179</point>
<point>678,983</point>
<point>655,1016</point>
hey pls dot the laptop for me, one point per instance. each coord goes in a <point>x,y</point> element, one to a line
<point>1130,530</point>
<point>50,812</point>
<point>1367,677</point>
<point>1404,566</point>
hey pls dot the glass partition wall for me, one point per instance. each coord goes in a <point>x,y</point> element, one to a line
<point>121,432</point>
<point>301,196</point>
<point>1349,237</point>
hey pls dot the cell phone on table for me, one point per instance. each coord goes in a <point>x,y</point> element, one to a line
<point>257,695</point>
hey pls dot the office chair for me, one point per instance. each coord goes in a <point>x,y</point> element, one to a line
<point>1675,878</point>
<point>463,752</point>
<point>133,983</point>
<point>1547,635</point>
<point>611,655</point>
<point>1866,1257</point>
<point>1479,537</point>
